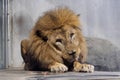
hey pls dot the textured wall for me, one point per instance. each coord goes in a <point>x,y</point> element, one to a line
<point>99,18</point>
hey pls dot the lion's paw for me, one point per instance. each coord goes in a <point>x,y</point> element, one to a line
<point>58,67</point>
<point>83,67</point>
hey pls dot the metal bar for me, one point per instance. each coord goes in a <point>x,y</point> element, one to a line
<point>5,25</point>
<point>4,33</point>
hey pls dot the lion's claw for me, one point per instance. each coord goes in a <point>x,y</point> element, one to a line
<point>58,67</point>
<point>83,67</point>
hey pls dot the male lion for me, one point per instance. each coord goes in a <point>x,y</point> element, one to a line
<point>56,43</point>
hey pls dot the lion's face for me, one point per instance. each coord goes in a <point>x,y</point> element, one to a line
<point>65,42</point>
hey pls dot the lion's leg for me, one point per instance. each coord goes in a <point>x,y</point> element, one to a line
<point>57,67</point>
<point>83,67</point>
<point>24,48</point>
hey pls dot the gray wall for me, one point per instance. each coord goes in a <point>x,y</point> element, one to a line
<point>99,18</point>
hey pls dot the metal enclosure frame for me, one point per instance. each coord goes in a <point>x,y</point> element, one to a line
<point>4,34</point>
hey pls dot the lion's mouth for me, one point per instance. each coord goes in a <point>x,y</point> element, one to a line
<point>71,60</point>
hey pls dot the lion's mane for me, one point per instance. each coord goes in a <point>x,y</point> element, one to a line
<point>38,50</point>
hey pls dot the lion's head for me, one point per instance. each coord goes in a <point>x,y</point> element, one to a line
<point>65,41</point>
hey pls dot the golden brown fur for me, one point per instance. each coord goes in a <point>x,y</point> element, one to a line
<point>55,43</point>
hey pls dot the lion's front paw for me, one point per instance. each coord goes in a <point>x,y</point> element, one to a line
<point>83,67</point>
<point>58,67</point>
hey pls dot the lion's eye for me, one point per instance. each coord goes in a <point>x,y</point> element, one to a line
<point>59,40</point>
<point>71,35</point>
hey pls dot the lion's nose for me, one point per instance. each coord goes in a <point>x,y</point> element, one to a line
<point>72,52</point>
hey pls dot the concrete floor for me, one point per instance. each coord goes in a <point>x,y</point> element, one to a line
<point>16,74</point>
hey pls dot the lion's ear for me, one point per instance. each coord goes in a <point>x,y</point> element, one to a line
<point>78,15</point>
<point>41,35</point>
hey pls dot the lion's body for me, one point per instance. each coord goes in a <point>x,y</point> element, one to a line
<point>55,42</point>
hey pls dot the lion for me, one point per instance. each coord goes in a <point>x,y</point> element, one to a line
<point>56,44</point>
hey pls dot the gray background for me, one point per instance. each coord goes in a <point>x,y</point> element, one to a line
<point>99,19</point>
